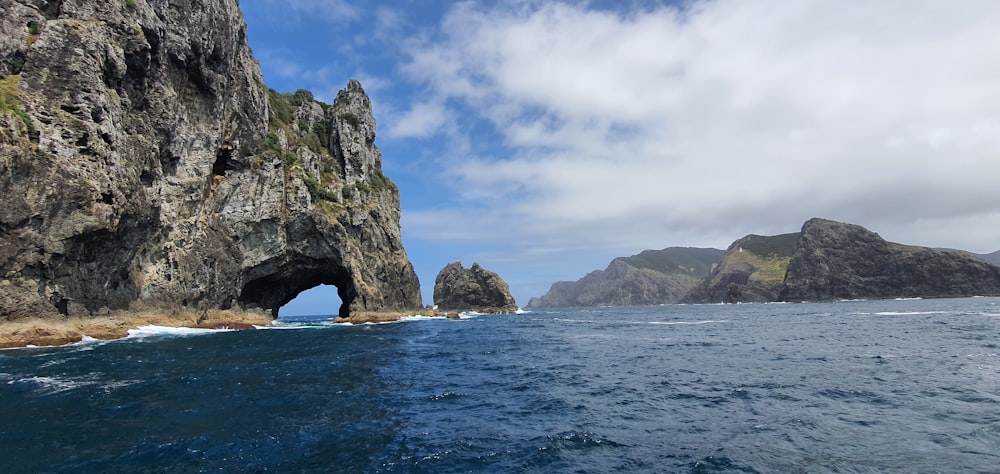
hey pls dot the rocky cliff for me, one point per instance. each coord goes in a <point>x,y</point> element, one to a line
<point>834,260</point>
<point>651,277</point>
<point>752,270</point>
<point>146,167</point>
<point>830,260</point>
<point>475,289</point>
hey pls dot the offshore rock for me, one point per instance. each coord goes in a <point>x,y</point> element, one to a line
<point>836,260</point>
<point>651,277</point>
<point>751,271</point>
<point>146,167</point>
<point>476,289</point>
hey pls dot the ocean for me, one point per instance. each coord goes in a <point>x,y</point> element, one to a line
<point>858,386</point>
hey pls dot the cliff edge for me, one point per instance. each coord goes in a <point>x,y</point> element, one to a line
<point>830,261</point>
<point>835,260</point>
<point>146,168</point>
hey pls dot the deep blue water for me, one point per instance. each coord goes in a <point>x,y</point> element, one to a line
<point>911,386</point>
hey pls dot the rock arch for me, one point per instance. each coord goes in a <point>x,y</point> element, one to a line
<point>274,290</point>
<point>195,196</point>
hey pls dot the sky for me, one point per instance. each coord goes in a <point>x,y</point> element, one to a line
<point>542,139</point>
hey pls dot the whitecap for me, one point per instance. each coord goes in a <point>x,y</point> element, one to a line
<point>50,384</point>
<point>153,330</point>
<point>417,317</point>
<point>564,320</point>
<point>908,313</point>
<point>672,323</point>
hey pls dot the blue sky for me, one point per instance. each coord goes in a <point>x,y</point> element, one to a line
<point>543,138</point>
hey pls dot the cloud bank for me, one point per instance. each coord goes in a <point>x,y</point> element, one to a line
<point>695,125</point>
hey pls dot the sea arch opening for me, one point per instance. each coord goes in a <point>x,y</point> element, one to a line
<point>321,300</point>
<point>274,289</point>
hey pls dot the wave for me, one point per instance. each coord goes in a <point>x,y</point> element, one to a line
<point>902,313</point>
<point>153,331</point>
<point>46,385</point>
<point>672,323</point>
<point>565,320</point>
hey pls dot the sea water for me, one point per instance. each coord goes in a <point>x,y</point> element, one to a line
<point>857,386</point>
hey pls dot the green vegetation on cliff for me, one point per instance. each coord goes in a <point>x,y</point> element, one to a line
<point>688,260</point>
<point>10,104</point>
<point>771,246</point>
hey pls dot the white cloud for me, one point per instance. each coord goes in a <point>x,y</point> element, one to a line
<point>422,120</point>
<point>730,116</point>
<point>329,10</point>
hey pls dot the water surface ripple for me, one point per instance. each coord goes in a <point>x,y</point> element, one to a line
<point>879,386</point>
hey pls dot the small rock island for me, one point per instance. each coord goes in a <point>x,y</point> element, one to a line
<point>475,289</point>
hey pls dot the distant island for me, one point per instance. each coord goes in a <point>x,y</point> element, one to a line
<point>825,261</point>
<point>650,277</point>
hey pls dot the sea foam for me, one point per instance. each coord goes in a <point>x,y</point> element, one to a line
<point>153,331</point>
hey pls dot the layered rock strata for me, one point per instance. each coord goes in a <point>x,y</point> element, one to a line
<point>474,289</point>
<point>146,168</point>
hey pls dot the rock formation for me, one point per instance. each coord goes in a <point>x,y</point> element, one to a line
<point>475,289</point>
<point>830,260</point>
<point>146,167</point>
<point>835,260</point>
<point>651,277</point>
<point>752,270</point>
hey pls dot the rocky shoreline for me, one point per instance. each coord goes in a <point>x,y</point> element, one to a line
<point>48,332</point>
<point>58,332</point>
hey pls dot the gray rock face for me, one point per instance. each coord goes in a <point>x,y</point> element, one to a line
<point>835,260</point>
<point>474,289</point>
<point>145,168</point>
<point>651,277</point>
<point>830,260</point>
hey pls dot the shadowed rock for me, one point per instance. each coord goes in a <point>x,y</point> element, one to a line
<point>830,260</point>
<point>835,260</point>
<point>476,289</point>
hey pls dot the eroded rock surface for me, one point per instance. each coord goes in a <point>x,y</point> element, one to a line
<point>145,166</point>
<point>475,289</point>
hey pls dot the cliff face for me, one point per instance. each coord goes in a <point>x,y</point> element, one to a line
<point>830,260</point>
<point>651,277</point>
<point>835,260</point>
<point>145,166</point>
<point>473,289</point>
<point>752,270</point>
